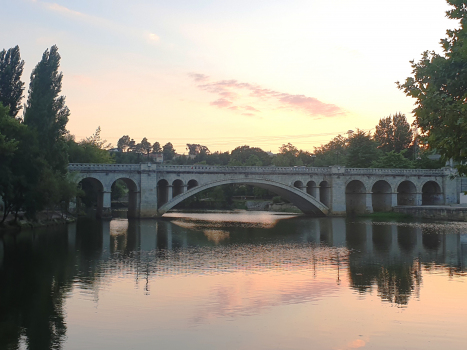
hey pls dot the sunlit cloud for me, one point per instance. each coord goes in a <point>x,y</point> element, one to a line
<point>222,102</point>
<point>233,91</point>
<point>198,77</point>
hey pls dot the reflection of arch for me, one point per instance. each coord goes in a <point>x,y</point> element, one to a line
<point>381,197</point>
<point>132,196</point>
<point>298,184</point>
<point>191,184</point>
<point>303,201</point>
<point>311,188</point>
<point>406,193</point>
<point>431,194</point>
<point>325,193</point>
<point>94,194</point>
<point>355,200</point>
<point>177,187</point>
<point>162,192</point>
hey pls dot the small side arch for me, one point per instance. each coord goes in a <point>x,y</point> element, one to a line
<point>432,194</point>
<point>355,197</point>
<point>406,193</point>
<point>381,196</point>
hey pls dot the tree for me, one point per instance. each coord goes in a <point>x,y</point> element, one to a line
<point>361,150</point>
<point>393,160</point>
<point>11,86</point>
<point>96,140</point>
<point>240,156</point>
<point>21,167</point>
<point>438,83</point>
<point>156,147</point>
<point>123,143</point>
<point>332,152</point>
<point>144,147</point>
<point>393,133</point>
<point>46,111</point>
<point>168,151</point>
<point>195,149</point>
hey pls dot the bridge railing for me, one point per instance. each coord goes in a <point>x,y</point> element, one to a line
<point>82,167</point>
<point>244,169</point>
<point>103,167</point>
<point>379,171</point>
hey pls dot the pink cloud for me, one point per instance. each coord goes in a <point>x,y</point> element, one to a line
<point>198,77</point>
<point>233,90</point>
<point>221,102</point>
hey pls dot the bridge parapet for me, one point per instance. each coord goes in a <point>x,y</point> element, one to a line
<point>244,169</point>
<point>103,167</point>
<point>410,172</point>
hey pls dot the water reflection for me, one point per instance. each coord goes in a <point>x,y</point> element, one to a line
<point>285,260</point>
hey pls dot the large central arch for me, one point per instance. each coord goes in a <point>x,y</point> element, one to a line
<point>305,202</point>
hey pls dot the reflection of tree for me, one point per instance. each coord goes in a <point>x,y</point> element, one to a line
<point>37,273</point>
<point>396,283</point>
<point>395,278</point>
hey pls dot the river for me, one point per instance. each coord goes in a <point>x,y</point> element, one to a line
<point>246,280</point>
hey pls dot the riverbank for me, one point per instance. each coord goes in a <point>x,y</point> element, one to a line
<point>42,220</point>
<point>436,212</point>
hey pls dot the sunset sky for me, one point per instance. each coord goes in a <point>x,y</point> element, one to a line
<point>228,73</point>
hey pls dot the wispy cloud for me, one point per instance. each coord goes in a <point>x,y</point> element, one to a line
<point>100,22</point>
<point>232,94</point>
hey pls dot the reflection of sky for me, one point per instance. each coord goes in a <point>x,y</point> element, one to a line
<point>277,295</point>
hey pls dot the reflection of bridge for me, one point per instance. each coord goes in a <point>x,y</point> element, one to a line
<point>155,189</point>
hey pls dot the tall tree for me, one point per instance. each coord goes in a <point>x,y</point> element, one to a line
<point>168,151</point>
<point>156,147</point>
<point>241,155</point>
<point>123,143</point>
<point>46,111</point>
<point>331,153</point>
<point>361,150</point>
<point>11,86</point>
<point>393,133</point>
<point>439,85</point>
<point>144,146</point>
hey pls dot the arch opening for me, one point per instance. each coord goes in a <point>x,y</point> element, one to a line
<point>298,184</point>
<point>125,195</point>
<point>406,193</point>
<point>191,184</point>
<point>381,196</point>
<point>162,192</point>
<point>311,188</point>
<point>355,197</point>
<point>432,194</point>
<point>92,197</point>
<point>177,187</point>
<point>324,193</point>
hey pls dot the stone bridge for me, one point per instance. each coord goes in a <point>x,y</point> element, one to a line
<point>318,191</point>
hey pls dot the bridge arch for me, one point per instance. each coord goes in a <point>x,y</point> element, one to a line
<point>311,188</point>
<point>381,196</point>
<point>133,196</point>
<point>355,197</point>
<point>406,193</point>
<point>325,193</point>
<point>162,192</point>
<point>94,193</point>
<point>304,201</point>
<point>432,194</point>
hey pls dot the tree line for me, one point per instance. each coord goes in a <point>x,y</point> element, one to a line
<point>392,145</point>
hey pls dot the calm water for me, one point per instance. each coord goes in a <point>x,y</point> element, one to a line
<point>235,281</point>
